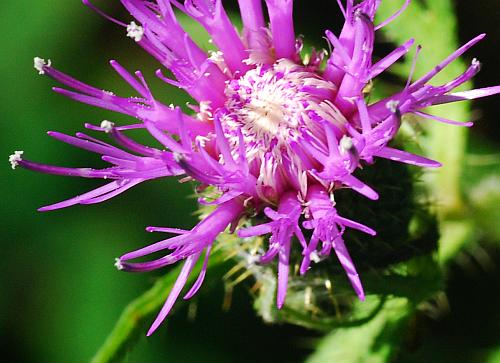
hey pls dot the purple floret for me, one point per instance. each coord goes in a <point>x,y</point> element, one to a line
<point>272,134</point>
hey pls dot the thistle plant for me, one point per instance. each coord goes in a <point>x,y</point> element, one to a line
<point>276,135</point>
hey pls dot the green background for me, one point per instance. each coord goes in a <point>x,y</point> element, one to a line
<point>60,294</point>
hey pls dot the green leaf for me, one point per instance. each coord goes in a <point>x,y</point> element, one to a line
<point>494,356</point>
<point>375,327</point>
<point>139,312</point>
<point>482,186</point>
<point>371,342</point>
<point>433,24</point>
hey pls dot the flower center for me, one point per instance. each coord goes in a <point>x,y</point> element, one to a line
<point>272,105</point>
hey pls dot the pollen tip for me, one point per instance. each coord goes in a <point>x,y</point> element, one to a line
<point>178,157</point>
<point>346,144</point>
<point>118,264</point>
<point>476,63</point>
<point>135,31</point>
<point>15,158</point>
<point>392,105</point>
<point>40,64</point>
<point>315,257</point>
<point>107,126</point>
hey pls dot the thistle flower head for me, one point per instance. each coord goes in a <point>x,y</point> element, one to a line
<point>273,134</point>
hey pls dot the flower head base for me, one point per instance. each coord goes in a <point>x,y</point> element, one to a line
<point>274,135</point>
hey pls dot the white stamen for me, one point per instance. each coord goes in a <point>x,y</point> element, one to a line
<point>118,264</point>
<point>476,63</point>
<point>392,105</point>
<point>252,259</point>
<point>271,107</point>
<point>39,63</point>
<point>345,144</point>
<point>332,199</point>
<point>315,257</point>
<point>216,56</point>
<point>178,157</point>
<point>135,31</point>
<point>306,60</point>
<point>15,158</point>
<point>201,140</point>
<point>247,61</point>
<point>328,285</point>
<point>205,111</point>
<point>107,126</point>
<point>308,297</point>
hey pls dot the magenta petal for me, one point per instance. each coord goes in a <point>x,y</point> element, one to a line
<point>406,157</point>
<point>350,269</point>
<point>283,271</point>
<point>447,61</point>
<point>254,231</point>
<point>355,225</point>
<point>443,120</point>
<point>199,281</point>
<point>394,16</point>
<point>390,59</point>
<point>282,29</point>
<point>360,187</point>
<point>467,95</point>
<point>113,187</point>
<point>174,293</point>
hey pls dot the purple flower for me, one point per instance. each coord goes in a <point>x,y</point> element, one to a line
<point>274,134</point>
